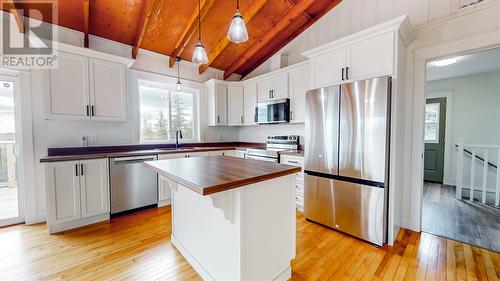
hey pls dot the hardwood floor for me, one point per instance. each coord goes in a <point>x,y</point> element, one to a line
<point>137,247</point>
<point>470,222</point>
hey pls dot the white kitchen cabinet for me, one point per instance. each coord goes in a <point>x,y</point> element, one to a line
<point>164,190</point>
<point>217,103</point>
<point>235,107</point>
<point>239,153</point>
<point>297,161</point>
<point>299,84</point>
<point>108,90</point>
<point>273,87</point>
<point>372,57</point>
<point>326,69</point>
<point>222,153</point>
<point>68,93</point>
<point>249,103</point>
<point>364,58</point>
<point>63,192</point>
<point>77,193</point>
<point>85,88</point>
<point>94,178</point>
<point>182,155</point>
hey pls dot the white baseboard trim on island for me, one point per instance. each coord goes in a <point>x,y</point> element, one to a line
<point>164,203</point>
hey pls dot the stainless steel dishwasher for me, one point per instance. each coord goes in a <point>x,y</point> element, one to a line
<point>132,185</point>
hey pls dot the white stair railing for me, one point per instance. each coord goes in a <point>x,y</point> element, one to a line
<point>474,150</point>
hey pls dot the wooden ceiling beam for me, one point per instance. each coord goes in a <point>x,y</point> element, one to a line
<point>146,12</point>
<point>224,42</point>
<point>190,30</point>
<point>18,16</point>
<point>294,2</point>
<point>86,12</point>
<point>262,49</point>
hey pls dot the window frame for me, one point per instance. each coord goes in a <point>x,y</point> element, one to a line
<point>168,87</point>
<point>438,116</point>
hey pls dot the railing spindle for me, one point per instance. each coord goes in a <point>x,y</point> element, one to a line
<point>472,174</point>
<point>460,166</point>
<point>485,175</point>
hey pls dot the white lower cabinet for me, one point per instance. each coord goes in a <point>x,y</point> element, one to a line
<point>299,178</point>
<point>239,153</point>
<point>77,193</point>
<point>222,153</point>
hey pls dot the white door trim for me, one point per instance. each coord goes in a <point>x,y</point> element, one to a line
<point>423,55</point>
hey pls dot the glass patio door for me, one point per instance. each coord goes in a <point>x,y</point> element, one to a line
<point>11,211</point>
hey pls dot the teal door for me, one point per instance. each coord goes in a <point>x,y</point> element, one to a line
<point>435,122</point>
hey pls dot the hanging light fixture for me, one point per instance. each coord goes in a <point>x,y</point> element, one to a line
<point>199,55</point>
<point>179,84</point>
<point>237,32</point>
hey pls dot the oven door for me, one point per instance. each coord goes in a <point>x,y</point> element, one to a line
<point>262,158</point>
<point>270,112</point>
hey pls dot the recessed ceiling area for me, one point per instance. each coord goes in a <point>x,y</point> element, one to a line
<point>170,27</point>
<point>469,64</point>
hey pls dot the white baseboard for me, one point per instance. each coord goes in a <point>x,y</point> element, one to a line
<point>39,218</point>
<point>77,223</point>
<point>285,275</point>
<point>164,203</point>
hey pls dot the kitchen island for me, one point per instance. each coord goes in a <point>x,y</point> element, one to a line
<point>232,219</point>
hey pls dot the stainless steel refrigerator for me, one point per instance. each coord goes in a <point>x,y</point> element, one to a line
<point>346,157</point>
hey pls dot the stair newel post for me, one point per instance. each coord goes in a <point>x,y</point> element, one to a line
<point>460,166</point>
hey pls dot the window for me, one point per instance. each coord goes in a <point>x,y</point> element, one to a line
<point>432,123</point>
<point>164,110</point>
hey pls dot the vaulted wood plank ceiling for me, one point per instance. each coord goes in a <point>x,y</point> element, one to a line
<point>170,26</point>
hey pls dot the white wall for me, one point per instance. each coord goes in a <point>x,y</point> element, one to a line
<point>475,117</point>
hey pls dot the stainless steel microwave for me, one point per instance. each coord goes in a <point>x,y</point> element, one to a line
<point>274,111</point>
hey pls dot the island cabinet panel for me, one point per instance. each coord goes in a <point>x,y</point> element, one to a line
<point>246,233</point>
<point>164,190</point>
<point>77,193</point>
<point>235,105</point>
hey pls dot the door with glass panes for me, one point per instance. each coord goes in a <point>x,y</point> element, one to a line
<point>435,121</point>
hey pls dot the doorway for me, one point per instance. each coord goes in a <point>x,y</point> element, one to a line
<point>462,149</point>
<point>11,207</point>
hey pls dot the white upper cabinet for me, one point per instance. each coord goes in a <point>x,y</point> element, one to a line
<point>217,103</point>
<point>249,103</point>
<point>299,84</point>
<point>68,95</point>
<point>327,68</point>
<point>273,87</point>
<point>372,57</point>
<point>86,88</point>
<point>108,86</point>
<point>235,106</point>
<point>94,187</point>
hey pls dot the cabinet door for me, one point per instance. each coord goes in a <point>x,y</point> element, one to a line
<point>68,95</point>
<point>108,90</point>
<point>197,154</point>
<point>221,105</point>
<point>222,153</point>
<point>249,103</point>
<point>63,191</point>
<point>299,80</point>
<point>265,86</point>
<point>372,57</point>
<point>171,156</point>
<point>235,105</point>
<point>239,153</point>
<point>327,68</point>
<point>280,86</point>
<point>94,184</point>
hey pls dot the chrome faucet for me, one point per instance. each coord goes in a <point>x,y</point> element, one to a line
<point>178,135</point>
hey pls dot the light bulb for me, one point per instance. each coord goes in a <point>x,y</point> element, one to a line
<point>199,54</point>
<point>179,84</point>
<point>237,32</point>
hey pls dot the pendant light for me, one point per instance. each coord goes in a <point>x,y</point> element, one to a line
<point>179,84</point>
<point>237,32</point>
<point>199,55</point>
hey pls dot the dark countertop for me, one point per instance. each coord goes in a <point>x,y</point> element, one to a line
<point>213,174</point>
<point>82,153</point>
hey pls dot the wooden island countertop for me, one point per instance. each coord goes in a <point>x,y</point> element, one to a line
<point>213,174</point>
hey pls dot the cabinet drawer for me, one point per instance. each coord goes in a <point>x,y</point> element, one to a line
<point>292,161</point>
